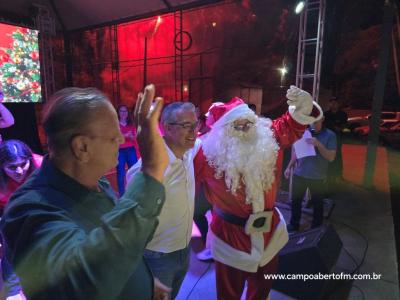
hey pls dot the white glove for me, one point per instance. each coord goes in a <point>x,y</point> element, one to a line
<point>302,100</point>
<point>300,106</point>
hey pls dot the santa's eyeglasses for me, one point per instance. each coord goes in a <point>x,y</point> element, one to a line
<point>243,127</point>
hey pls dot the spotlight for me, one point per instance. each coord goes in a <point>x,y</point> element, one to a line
<point>299,7</point>
<point>283,71</point>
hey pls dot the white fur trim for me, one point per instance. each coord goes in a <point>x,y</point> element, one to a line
<point>277,241</point>
<point>207,114</point>
<point>226,254</point>
<point>259,256</point>
<point>257,206</point>
<point>303,119</point>
<point>238,112</point>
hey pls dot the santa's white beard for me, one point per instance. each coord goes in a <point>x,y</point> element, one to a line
<point>247,158</point>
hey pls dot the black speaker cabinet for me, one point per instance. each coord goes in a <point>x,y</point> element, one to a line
<point>310,252</point>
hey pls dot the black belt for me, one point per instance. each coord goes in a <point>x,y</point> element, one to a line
<point>238,220</point>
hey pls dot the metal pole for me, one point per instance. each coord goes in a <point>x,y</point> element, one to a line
<point>396,66</point>
<point>68,60</point>
<point>115,64</point>
<point>380,81</point>
<point>175,59</point>
<point>181,51</point>
<point>319,46</point>
<point>301,48</point>
<point>145,63</point>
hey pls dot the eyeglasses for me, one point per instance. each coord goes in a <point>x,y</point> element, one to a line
<point>187,126</point>
<point>243,127</point>
<point>14,167</point>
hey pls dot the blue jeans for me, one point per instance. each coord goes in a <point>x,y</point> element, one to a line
<point>169,268</point>
<point>126,156</point>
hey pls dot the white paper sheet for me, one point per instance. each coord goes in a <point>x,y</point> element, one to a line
<point>303,149</point>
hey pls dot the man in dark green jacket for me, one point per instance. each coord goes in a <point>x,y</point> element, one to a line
<point>68,236</point>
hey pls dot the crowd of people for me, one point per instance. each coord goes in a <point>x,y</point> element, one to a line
<point>68,235</point>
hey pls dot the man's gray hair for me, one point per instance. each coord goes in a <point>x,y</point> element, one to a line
<point>68,112</point>
<point>169,113</point>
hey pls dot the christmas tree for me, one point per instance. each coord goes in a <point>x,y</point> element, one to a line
<point>20,67</point>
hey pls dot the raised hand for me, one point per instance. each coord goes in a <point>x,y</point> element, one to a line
<point>152,147</point>
<point>301,99</point>
<point>301,105</point>
<point>312,141</point>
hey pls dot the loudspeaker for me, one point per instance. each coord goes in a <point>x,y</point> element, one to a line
<point>311,252</point>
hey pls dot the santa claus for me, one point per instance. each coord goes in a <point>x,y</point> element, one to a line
<point>238,166</point>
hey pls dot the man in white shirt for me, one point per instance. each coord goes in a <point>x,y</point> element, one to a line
<point>168,252</point>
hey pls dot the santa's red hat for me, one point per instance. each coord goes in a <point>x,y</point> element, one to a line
<point>228,112</point>
<point>211,114</point>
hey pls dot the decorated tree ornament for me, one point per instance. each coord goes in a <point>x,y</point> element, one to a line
<point>35,85</point>
<point>17,35</point>
<point>21,86</point>
<point>34,55</point>
<point>36,76</point>
<point>5,57</point>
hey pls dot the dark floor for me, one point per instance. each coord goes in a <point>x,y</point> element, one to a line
<point>363,220</point>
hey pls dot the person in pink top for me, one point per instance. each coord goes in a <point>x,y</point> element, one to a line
<point>127,150</point>
<point>17,162</point>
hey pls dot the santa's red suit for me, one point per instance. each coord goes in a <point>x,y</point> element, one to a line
<point>240,256</point>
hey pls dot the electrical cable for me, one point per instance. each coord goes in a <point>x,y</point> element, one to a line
<point>365,240</point>
<point>360,290</point>
<point>351,256</point>
<point>201,276</point>
<point>357,265</point>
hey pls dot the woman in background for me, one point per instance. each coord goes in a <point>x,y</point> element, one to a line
<point>17,162</point>
<point>127,152</point>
